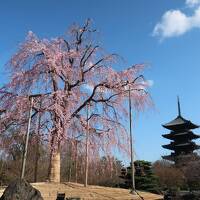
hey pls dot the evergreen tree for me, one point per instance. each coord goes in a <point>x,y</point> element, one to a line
<point>145,179</point>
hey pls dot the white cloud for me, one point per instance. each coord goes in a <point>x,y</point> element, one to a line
<point>150,83</point>
<point>192,3</point>
<point>176,23</point>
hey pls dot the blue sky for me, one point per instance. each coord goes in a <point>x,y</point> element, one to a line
<point>163,33</point>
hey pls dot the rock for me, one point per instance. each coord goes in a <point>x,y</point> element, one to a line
<point>21,190</point>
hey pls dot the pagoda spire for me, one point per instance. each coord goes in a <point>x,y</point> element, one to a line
<point>179,107</point>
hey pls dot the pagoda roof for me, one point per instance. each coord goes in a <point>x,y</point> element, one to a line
<point>174,157</point>
<point>180,122</point>
<point>188,134</point>
<point>173,145</point>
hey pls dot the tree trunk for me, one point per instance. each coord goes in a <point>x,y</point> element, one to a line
<point>55,167</point>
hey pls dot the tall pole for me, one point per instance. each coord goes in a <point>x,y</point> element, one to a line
<point>70,161</point>
<point>37,152</point>
<point>76,162</point>
<point>27,139</point>
<point>86,148</point>
<point>131,143</point>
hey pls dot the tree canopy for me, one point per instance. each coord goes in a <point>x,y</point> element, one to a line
<point>65,74</point>
<point>74,89</point>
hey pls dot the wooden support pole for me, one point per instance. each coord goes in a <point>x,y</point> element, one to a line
<point>27,139</point>
<point>86,148</point>
<point>131,143</point>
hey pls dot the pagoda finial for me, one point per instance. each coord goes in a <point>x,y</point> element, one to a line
<point>179,107</point>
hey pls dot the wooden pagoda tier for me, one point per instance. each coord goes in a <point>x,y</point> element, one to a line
<point>175,158</point>
<point>179,124</point>
<point>186,146</point>
<point>181,137</point>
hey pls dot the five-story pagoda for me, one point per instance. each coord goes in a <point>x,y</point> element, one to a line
<point>181,137</point>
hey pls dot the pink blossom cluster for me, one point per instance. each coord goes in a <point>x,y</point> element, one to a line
<point>58,73</point>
